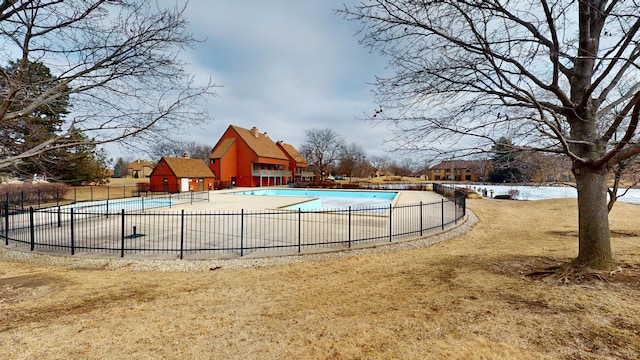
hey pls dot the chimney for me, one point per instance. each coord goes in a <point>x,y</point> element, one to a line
<point>185,155</point>
<point>254,132</point>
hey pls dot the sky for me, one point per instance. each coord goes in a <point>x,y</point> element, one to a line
<point>285,67</point>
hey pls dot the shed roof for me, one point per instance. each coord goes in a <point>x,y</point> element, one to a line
<point>184,168</point>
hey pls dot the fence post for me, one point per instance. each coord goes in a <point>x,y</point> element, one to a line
<point>442,211</point>
<point>455,208</point>
<point>75,195</point>
<point>299,230</point>
<point>6,221</point>
<point>191,196</point>
<point>421,226</point>
<point>73,238</point>
<point>390,225</point>
<point>22,199</point>
<point>60,216</point>
<point>32,231</point>
<point>241,232</point>
<point>349,217</point>
<point>122,231</point>
<point>91,192</point>
<point>181,234</point>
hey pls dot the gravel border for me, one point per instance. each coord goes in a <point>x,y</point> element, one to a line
<point>170,265</point>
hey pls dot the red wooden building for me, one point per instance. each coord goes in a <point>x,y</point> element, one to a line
<point>180,175</point>
<point>248,158</point>
<point>297,163</point>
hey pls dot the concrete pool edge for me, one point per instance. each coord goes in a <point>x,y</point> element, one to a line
<point>163,264</point>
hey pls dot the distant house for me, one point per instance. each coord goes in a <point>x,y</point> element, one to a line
<point>297,163</point>
<point>249,158</point>
<point>459,170</point>
<point>139,169</point>
<point>181,175</point>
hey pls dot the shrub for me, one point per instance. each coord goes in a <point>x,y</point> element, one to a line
<point>513,193</point>
<point>143,186</point>
<point>502,197</point>
<point>32,192</point>
<point>350,186</point>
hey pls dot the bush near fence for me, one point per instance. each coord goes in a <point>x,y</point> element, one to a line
<point>32,193</point>
<point>44,194</point>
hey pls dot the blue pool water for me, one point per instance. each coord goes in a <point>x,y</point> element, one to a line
<point>118,205</point>
<point>329,199</point>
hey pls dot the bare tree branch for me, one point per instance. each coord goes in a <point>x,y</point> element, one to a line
<point>116,61</point>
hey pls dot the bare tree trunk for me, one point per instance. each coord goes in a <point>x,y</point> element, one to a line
<point>593,217</point>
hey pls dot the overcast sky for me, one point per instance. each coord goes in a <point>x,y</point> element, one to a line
<point>285,67</point>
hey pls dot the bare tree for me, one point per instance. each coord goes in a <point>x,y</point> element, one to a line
<point>555,76</point>
<point>352,160</point>
<point>321,149</point>
<point>198,151</point>
<point>380,164</point>
<point>176,148</point>
<point>403,167</point>
<point>115,61</point>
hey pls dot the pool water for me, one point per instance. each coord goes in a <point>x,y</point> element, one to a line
<point>329,199</point>
<point>118,205</point>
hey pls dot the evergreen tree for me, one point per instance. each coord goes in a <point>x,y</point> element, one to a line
<point>78,165</point>
<point>75,165</point>
<point>504,166</point>
<point>120,168</point>
<point>20,135</point>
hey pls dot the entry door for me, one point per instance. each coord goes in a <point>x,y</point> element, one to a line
<point>184,185</point>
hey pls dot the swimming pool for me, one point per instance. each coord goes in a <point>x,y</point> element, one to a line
<point>329,199</point>
<point>117,205</point>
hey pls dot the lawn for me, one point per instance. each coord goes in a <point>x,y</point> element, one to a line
<point>469,297</point>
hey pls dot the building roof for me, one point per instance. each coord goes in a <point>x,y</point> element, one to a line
<point>139,165</point>
<point>184,168</point>
<point>458,164</point>
<point>261,144</point>
<point>293,153</point>
<point>222,148</point>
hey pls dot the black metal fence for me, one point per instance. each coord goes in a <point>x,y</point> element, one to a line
<point>39,198</point>
<point>149,231</point>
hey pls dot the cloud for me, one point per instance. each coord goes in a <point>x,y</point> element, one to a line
<point>285,67</point>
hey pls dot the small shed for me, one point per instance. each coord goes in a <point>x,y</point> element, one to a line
<point>181,175</point>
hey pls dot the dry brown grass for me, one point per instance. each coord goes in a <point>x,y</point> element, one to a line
<point>466,298</point>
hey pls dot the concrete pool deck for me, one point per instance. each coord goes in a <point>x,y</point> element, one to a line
<point>216,229</point>
<point>225,200</point>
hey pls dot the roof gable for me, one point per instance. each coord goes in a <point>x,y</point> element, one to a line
<point>261,144</point>
<point>221,149</point>
<point>184,168</point>
<point>293,153</point>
